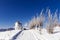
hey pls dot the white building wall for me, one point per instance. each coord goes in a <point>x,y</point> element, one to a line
<point>18,26</point>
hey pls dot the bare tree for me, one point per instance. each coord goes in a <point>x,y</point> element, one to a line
<point>32,22</point>
<point>50,23</point>
<point>40,20</point>
<point>37,21</point>
<point>55,18</point>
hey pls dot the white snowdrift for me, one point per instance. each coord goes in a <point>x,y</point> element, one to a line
<point>7,35</point>
<point>57,29</point>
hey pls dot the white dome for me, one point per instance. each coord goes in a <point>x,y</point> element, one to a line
<point>17,23</point>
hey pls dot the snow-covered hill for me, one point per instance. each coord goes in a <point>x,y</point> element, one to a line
<point>32,34</point>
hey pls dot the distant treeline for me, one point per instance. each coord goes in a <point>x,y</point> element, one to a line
<point>1,30</point>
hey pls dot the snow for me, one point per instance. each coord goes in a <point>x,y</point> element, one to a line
<point>57,29</point>
<point>35,35</point>
<point>26,35</point>
<point>8,34</point>
<point>32,34</point>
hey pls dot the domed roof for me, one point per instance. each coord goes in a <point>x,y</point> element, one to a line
<point>18,23</point>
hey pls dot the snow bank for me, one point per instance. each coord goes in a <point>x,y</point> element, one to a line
<point>8,34</point>
<point>56,29</point>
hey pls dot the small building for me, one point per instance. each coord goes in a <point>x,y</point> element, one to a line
<point>18,26</point>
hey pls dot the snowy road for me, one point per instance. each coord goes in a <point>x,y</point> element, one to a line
<point>37,35</point>
<point>30,35</point>
<point>27,35</point>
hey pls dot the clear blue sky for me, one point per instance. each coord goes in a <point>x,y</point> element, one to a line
<point>23,10</point>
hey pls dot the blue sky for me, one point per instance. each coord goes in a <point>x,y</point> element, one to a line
<point>23,10</point>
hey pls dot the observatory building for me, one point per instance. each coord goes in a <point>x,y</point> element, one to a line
<point>18,26</point>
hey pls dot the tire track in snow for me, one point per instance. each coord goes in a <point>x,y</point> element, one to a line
<point>15,36</point>
<point>27,36</point>
<point>37,36</point>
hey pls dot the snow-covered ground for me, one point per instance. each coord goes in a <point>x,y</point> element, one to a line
<point>35,35</point>
<point>32,34</point>
<point>7,35</point>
